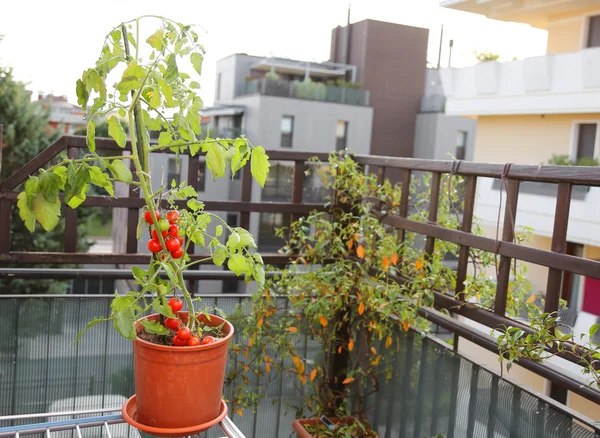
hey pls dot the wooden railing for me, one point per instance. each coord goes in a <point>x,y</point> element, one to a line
<point>555,259</point>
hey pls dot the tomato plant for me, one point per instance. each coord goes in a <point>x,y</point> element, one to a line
<point>151,92</point>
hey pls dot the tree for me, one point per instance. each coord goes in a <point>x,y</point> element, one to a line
<point>486,56</point>
<point>25,135</point>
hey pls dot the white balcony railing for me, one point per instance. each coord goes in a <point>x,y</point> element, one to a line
<point>537,206</point>
<point>551,84</point>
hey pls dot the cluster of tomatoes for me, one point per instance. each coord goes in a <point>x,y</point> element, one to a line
<point>184,335</point>
<point>167,226</point>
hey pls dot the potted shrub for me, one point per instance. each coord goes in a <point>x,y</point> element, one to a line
<point>344,292</point>
<point>178,355</point>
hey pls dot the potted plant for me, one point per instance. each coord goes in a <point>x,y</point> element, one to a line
<point>178,355</point>
<point>344,292</point>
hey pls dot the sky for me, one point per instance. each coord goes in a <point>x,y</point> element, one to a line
<point>49,44</point>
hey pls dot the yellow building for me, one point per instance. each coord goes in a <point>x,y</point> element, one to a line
<point>529,111</point>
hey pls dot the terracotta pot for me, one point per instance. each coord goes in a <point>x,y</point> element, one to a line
<point>298,425</point>
<point>178,387</point>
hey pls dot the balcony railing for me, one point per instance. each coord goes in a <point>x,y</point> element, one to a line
<point>306,90</point>
<point>551,84</point>
<point>433,391</point>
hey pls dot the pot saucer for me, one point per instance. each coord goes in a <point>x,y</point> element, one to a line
<point>129,412</point>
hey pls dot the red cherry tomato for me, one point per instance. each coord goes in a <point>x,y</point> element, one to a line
<point>179,342</point>
<point>176,304</point>
<point>181,240</point>
<point>148,216</point>
<point>184,333</point>
<point>208,340</point>
<point>172,216</point>
<point>173,230</point>
<point>193,341</point>
<point>154,246</point>
<point>154,234</point>
<point>172,245</point>
<point>177,254</point>
<point>172,323</point>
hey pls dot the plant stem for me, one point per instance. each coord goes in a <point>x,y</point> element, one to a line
<point>140,149</point>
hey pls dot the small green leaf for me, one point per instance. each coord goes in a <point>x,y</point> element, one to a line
<point>165,138</point>
<point>219,230</point>
<point>194,85</point>
<point>89,325</point>
<point>115,130</point>
<point>47,213</point>
<point>194,204</point>
<point>238,264</point>
<point>116,35</point>
<point>154,327</point>
<point>219,255</point>
<point>215,159</point>
<point>259,165</point>
<point>163,309</point>
<point>120,171</point>
<point>61,171</point>
<point>91,136</point>
<point>233,240</point>
<point>196,59</point>
<point>82,94</point>
<point>593,329</point>
<point>100,179</point>
<point>25,212</point>
<point>167,92</point>
<point>193,119</point>
<point>156,40</point>
<point>139,274</point>
<point>172,72</point>
<point>49,185</point>
<point>246,238</point>
<point>132,77</point>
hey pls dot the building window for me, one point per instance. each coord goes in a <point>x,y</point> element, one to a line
<point>201,176</point>
<point>586,141</point>
<point>593,33</point>
<point>269,223</point>
<point>278,186</point>
<point>287,131</point>
<point>232,219</point>
<point>461,144</point>
<point>173,171</point>
<point>341,135</point>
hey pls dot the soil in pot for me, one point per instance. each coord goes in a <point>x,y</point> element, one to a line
<point>179,387</point>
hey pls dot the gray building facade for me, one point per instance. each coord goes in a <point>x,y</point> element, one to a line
<point>438,136</point>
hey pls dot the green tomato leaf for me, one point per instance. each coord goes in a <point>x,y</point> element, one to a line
<point>116,35</point>
<point>163,310</point>
<point>246,238</point>
<point>115,130</point>
<point>172,73</point>
<point>91,136</point>
<point>49,185</point>
<point>233,240</point>
<point>132,78</point>
<point>82,94</point>
<point>167,92</point>
<point>219,255</point>
<point>196,60</point>
<point>259,165</point>
<point>215,159</point>
<point>25,212</point>
<point>193,119</point>
<point>238,264</point>
<point>47,213</point>
<point>61,171</point>
<point>89,325</point>
<point>156,40</point>
<point>100,179</point>
<point>258,273</point>
<point>154,327</point>
<point>120,171</point>
<point>219,230</point>
<point>165,138</point>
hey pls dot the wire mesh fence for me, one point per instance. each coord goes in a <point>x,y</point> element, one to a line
<point>432,391</point>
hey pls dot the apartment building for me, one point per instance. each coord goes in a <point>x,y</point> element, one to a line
<point>528,111</point>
